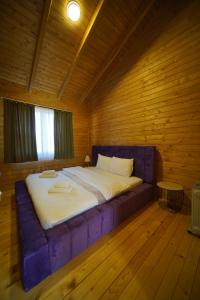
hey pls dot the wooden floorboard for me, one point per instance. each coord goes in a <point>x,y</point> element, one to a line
<point>149,256</point>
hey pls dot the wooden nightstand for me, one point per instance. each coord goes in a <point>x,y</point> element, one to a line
<point>173,195</point>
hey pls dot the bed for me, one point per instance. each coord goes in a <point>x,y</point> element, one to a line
<point>74,190</point>
<point>45,251</point>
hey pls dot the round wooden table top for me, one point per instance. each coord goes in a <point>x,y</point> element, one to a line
<point>171,186</point>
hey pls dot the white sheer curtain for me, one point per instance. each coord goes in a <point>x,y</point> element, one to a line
<point>44,123</point>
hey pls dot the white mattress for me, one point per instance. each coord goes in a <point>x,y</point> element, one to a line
<point>55,208</point>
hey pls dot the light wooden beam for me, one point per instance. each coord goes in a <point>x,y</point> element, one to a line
<point>117,50</point>
<point>82,44</point>
<point>39,42</point>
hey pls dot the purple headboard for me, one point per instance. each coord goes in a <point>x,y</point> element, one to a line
<point>144,158</point>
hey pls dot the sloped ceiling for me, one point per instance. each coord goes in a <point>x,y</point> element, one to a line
<point>25,24</point>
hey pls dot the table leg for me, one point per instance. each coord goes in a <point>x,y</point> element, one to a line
<point>165,196</point>
<point>166,202</point>
<point>163,200</point>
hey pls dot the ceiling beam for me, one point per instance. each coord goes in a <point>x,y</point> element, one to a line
<point>39,42</point>
<point>82,44</point>
<point>117,50</point>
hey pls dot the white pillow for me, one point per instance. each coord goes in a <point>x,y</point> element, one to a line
<point>104,162</point>
<point>122,166</point>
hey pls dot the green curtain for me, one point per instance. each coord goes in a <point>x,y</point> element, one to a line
<point>19,132</point>
<point>63,134</point>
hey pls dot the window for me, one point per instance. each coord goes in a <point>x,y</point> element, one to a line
<point>44,125</point>
<point>36,133</point>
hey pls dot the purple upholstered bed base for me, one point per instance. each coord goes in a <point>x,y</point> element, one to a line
<point>45,251</point>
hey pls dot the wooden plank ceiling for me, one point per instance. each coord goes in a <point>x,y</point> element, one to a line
<point>41,49</point>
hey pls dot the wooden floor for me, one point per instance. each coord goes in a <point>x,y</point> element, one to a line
<point>149,256</point>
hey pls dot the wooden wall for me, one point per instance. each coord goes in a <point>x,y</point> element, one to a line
<point>13,172</point>
<point>151,94</point>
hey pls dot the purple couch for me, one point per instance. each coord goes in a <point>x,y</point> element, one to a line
<point>45,251</point>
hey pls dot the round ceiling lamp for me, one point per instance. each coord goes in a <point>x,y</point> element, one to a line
<point>73,11</point>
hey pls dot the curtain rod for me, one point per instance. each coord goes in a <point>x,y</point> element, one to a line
<point>44,106</point>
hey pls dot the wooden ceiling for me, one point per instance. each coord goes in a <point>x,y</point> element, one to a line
<point>41,49</point>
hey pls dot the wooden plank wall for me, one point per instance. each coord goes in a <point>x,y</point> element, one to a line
<point>151,94</point>
<point>13,172</point>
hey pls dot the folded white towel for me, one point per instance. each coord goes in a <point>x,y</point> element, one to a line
<point>48,175</point>
<point>59,190</point>
<point>49,172</point>
<point>62,184</point>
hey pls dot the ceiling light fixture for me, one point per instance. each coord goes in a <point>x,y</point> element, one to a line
<point>73,11</point>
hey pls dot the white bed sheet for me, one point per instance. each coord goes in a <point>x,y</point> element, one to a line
<point>55,208</point>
